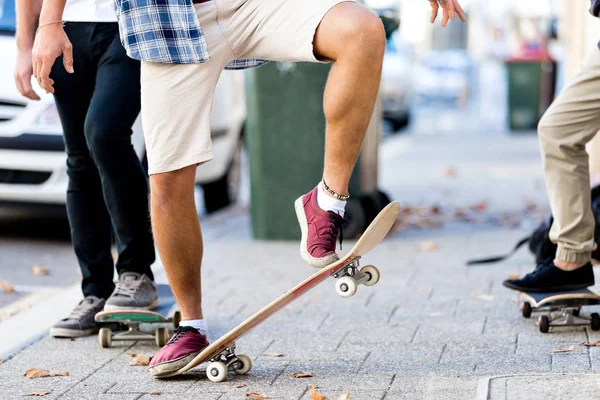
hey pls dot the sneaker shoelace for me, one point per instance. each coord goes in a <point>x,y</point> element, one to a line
<point>335,227</point>
<point>179,332</point>
<point>128,286</point>
<point>84,307</point>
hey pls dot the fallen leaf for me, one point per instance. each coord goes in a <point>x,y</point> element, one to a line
<point>428,245</point>
<point>140,360</point>
<point>450,172</point>
<point>273,354</point>
<point>436,209</point>
<point>316,395</point>
<point>72,339</point>
<point>480,206</point>
<point>301,374</point>
<point>155,394</point>
<point>42,373</point>
<point>563,350</point>
<point>241,385</point>
<point>462,215</point>
<point>256,396</point>
<point>39,394</point>
<point>7,287</point>
<point>591,344</point>
<point>37,270</point>
<point>513,276</point>
<point>2,360</point>
<point>345,396</point>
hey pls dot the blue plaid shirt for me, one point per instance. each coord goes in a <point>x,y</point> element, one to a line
<point>166,31</point>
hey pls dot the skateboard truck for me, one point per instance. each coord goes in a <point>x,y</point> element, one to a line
<point>567,313</point>
<point>349,276</point>
<point>225,361</point>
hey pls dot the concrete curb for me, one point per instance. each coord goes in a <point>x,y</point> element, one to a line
<point>31,325</point>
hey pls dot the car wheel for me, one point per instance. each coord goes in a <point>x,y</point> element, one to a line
<point>224,191</point>
<point>401,122</point>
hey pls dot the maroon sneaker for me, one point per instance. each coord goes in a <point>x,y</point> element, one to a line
<point>320,230</point>
<point>185,344</point>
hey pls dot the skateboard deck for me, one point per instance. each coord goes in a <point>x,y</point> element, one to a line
<point>221,353</point>
<point>165,313</point>
<point>561,308</point>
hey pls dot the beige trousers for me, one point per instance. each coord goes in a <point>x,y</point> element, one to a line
<point>571,122</point>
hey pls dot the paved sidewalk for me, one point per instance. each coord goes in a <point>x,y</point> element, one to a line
<point>430,329</point>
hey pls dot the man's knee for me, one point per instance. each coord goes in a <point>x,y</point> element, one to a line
<point>357,30</point>
<point>173,188</point>
<point>107,139</point>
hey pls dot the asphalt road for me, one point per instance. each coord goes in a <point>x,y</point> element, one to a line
<point>34,238</point>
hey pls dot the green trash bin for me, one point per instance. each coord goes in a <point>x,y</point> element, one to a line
<point>530,91</point>
<point>285,136</point>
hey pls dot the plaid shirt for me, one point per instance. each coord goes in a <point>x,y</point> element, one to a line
<point>166,31</point>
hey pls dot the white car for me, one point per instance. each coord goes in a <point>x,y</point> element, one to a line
<point>32,157</point>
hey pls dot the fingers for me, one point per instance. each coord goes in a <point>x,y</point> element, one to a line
<point>25,88</point>
<point>445,14</point>
<point>44,75</point>
<point>459,10</point>
<point>434,11</point>
<point>68,58</point>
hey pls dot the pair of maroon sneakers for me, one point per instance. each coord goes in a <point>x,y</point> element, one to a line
<point>320,231</point>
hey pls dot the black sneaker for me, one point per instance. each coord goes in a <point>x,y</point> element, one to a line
<point>548,278</point>
<point>81,321</point>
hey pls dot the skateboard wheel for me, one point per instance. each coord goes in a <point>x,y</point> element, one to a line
<point>373,272</point>
<point>176,319</point>
<point>105,337</point>
<point>543,324</point>
<point>346,286</point>
<point>595,321</point>
<point>161,336</point>
<point>246,364</point>
<point>526,310</point>
<point>216,371</point>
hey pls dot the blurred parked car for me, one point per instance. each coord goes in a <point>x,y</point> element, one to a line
<point>32,157</point>
<point>445,76</point>
<point>396,89</point>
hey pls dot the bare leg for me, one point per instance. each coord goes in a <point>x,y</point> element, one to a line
<point>353,37</point>
<point>178,237</point>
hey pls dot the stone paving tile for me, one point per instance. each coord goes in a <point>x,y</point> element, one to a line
<point>433,386</point>
<point>571,363</point>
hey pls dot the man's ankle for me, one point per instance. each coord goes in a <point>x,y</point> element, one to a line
<point>568,266</point>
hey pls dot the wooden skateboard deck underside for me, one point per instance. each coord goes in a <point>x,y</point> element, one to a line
<point>372,236</point>
<point>584,296</point>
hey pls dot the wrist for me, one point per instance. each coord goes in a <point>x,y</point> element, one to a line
<point>25,44</point>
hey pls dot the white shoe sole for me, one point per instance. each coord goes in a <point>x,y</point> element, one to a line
<point>72,333</point>
<point>310,260</point>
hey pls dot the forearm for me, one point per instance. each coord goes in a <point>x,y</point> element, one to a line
<point>52,10</point>
<point>28,15</point>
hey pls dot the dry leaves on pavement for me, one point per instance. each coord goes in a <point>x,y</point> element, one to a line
<point>316,395</point>
<point>513,276</point>
<point>140,359</point>
<point>38,394</point>
<point>241,385</point>
<point>480,206</point>
<point>154,394</point>
<point>564,350</point>
<point>39,271</point>
<point>428,245</point>
<point>450,172</point>
<point>320,396</point>
<point>2,360</point>
<point>7,287</point>
<point>591,344</point>
<point>32,373</point>
<point>301,374</point>
<point>255,396</point>
<point>273,354</point>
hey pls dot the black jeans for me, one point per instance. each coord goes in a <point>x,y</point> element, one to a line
<point>108,187</point>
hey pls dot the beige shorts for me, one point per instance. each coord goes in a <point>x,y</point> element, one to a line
<point>177,98</point>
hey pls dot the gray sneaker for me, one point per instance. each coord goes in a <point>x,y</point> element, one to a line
<point>81,320</point>
<point>133,292</point>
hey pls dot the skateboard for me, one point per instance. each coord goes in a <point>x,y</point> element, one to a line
<point>165,313</point>
<point>561,308</point>
<point>221,355</point>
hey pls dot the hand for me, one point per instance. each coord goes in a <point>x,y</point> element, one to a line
<point>50,42</point>
<point>23,73</point>
<point>450,9</point>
